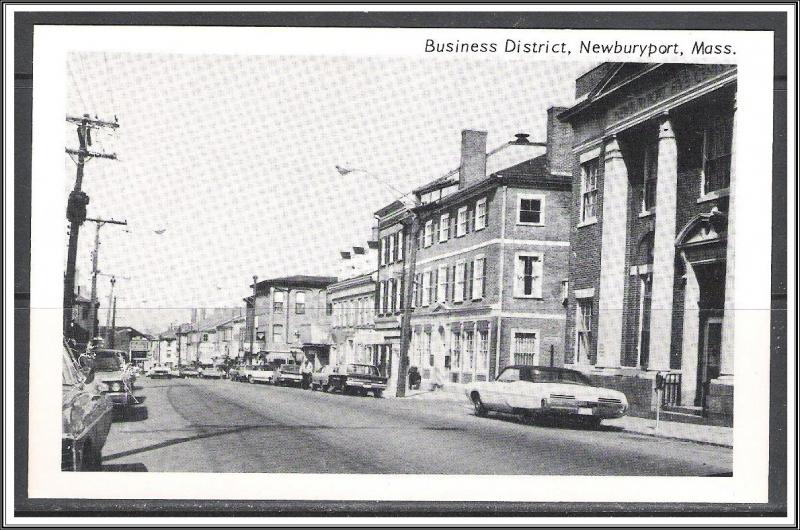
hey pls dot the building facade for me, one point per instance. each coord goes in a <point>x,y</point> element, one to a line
<point>492,258</point>
<point>352,301</point>
<point>650,281</point>
<point>289,314</point>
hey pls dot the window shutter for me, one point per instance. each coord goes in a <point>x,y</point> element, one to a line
<point>470,220</point>
<point>446,284</point>
<point>435,285</point>
<point>468,268</point>
<point>486,213</point>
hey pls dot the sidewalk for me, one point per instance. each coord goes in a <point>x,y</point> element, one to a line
<point>708,434</point>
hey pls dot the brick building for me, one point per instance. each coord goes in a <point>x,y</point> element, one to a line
<point>492,257</point>
<point>290,317</point>
<point>352,301</point>
<point>652,203</point>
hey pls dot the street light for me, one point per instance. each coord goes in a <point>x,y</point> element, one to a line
<point>409,270</point>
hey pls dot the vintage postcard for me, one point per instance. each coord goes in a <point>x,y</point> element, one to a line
<point>401,264</point>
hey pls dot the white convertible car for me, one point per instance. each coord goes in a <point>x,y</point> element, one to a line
<point>536,391</point>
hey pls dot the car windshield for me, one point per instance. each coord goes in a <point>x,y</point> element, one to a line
<point>69,371</point>
<point>106,363</point>
<point>362,369</point>
<point>569,377</point>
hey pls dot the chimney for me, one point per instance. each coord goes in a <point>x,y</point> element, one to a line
<point>559,143</point>
<point>473,158</point>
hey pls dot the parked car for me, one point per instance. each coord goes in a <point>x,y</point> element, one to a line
<point>288,374</point>
<point>360,378</point>
<point>233,372</point>
<point>320,380</point>
<point>159,371</point>
<point>174,371</point>
<point>538,391</point>
<point>188,371</point>
<point>212,372</point>
<point>86,415</point>
<point>261,373</point>
<point>113,378</point>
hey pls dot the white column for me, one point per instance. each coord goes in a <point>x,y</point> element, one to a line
<point>726,360</point>
<point>691,335</point>
<point>612,264</point>
<point>664,248</point>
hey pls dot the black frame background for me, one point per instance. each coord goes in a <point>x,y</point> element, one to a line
<point>23,82</point>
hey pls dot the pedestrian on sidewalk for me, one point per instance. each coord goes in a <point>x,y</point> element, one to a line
<point>306,370</point>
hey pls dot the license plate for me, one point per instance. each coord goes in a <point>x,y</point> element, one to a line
<point>585,411</point>
<point>367,386</point>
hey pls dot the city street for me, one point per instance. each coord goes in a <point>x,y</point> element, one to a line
<point>224,426</point>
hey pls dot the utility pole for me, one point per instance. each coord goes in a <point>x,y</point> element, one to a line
<point>95,272</point>
<point>253,331</point>
<point>113,324</point>
<point>410,264</point>
<point>76,205</point>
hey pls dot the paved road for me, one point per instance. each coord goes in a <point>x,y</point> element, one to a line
<point>223,426</point>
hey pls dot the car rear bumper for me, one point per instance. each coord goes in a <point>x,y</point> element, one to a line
<point>366,385</point>
<point>122,399</point>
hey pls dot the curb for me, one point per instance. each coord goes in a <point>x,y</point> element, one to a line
<point>680,438</point>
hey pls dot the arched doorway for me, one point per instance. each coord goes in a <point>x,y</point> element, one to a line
<point>702,245</point>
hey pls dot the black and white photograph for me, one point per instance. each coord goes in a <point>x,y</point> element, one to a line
<point>352,264</point>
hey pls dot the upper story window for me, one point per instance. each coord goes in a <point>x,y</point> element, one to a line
<point>589,190</point>
<point>398,238</point>
<point>300,302</point>
<point>528,276</point>
<point>441,286</point>
<point>428,237</point>
<point>426,288</point>
<point>277,333</point>
<point>480,214</point>
<point>650,177</point>
<point>717,142</point>
<point>461,225</point>
<point>530,210</point>
<point>392,248</point>
<point>278,299</point>
<point>444,227</point>
<point>478,277</point>
<point>461,282</point>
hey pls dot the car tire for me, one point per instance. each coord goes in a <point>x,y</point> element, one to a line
<point>591,422</point>
<point>325,388</point>
<point>477,404</point>
<point>377,393</point>
<point>251,380</point>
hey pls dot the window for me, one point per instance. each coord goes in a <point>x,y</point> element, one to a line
<point>399,294</point>
<point>441,287</point>
<point>205,337</point>
<point>718,139</point>
<point>480,214</point>
<point>444,227</point>
<point>564,291</point>
<point>460,282</point>
<point>426,288</point>
<point>279,297</point>
<point>461,226</point>
<point>483,350</point>
<point>455,349</point>
<point>277,333</point>
<point>528,276</point>
<point>428,233</point>
<point>391,293</point>
<point>530,210</point>
<point>399,238</point>
<point>392,248</point>
<point>583,329</point>
<point>650,177</point>
<point>300,302</point>
<point>380,252</point>
<point>526,347</point>
<point>645,298</point>
<point>329,309</point>
<point>477,277</point>
<point>469,349</point>
<point>589,190</point>
<point>386,250</point>
<point>385,301</point>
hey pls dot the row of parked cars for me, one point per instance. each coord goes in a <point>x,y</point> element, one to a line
<point>347,378</point>
<point>167,372</point>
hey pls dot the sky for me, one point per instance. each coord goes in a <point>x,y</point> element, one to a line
<point>232,159</point>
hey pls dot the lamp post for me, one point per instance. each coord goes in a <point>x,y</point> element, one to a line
<point>409,271</point>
